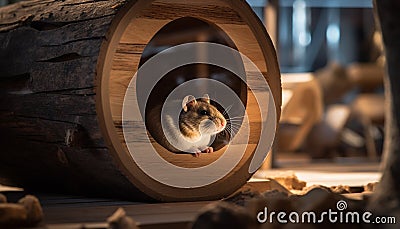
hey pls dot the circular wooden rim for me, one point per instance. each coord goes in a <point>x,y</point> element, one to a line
<point>144,183</point>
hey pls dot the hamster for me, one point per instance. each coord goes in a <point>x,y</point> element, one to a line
<point>199,122</point>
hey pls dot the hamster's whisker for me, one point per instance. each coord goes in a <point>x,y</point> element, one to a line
<point>237,117</point>
<point>237,123</point>
<point>234,121</point>
<point>230,131</point>
<point>233,128</point>
<point>241,116</point>
<point>236,127</point>
<point>227,109</point>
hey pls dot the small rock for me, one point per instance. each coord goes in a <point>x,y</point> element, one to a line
<point>290,182</point>
<point>12,215</point>
<point>370,187</point>
<point>33,209</point>
<point>3,198</point>
<point>119,220</point>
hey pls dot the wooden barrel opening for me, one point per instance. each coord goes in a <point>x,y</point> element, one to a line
<point>142,37</point>
<point>64,106</point>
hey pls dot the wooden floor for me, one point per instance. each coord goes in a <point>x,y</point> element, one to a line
<point>175,215</point>
<point>74,212</point>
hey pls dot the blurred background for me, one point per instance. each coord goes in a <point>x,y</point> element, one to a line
<point>332,67</point>
<point>330,55</point>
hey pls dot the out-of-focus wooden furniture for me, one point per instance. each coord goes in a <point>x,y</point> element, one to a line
<point>370,110</point>
<point>302,107</point>
<point>325,135</point>
<point>366,76</point>
<point>368,107</point>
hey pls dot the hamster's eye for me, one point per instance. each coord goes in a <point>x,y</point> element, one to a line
<point>204,112</point>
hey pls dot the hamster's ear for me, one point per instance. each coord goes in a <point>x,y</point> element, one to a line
<point>206,98</point>
<point>188,101</point>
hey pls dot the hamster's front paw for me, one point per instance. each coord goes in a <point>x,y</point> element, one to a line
<point>208,150</point>
<point>196,154</point>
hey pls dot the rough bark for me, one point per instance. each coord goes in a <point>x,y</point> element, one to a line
<point>48,53</point>
<point>387,197</point>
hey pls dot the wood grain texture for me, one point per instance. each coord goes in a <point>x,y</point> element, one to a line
<point>48,122</point>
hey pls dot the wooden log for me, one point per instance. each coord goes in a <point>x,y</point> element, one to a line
<point>302,109</point>
<point>65,69</point>
<point>387,194</point>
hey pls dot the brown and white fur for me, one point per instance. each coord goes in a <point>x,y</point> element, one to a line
<point>199,122</point>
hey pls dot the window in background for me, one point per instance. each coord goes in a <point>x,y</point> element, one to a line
<point>313,33</point>
<point>258,7</point>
